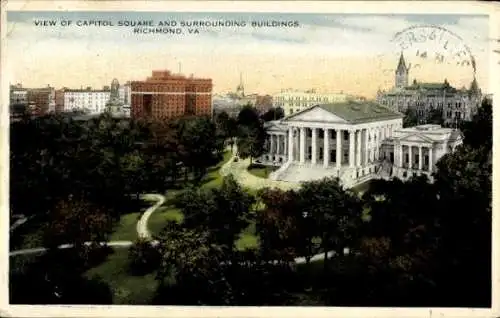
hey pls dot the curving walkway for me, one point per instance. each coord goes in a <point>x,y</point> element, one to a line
<point>142,225</point>
<point>142,230</point>
<point>239,170</point>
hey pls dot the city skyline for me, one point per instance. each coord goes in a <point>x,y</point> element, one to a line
<point>352,53</point>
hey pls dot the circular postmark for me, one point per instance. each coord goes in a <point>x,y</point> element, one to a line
<point>433,42</point>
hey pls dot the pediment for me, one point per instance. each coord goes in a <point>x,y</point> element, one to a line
<point>416,138</point>
<point>315,114</point>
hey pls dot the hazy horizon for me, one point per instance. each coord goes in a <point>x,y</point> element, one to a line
<point>353,53</point>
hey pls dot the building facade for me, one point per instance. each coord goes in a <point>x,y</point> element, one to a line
<point>454,105</point>
<point>166,95</point>
<point>88,100</point>
<point>354,141</point>
<point>41,101</point>
<point>294,101</point>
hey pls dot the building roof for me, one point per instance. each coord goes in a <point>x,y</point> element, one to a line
<point>356,112</point>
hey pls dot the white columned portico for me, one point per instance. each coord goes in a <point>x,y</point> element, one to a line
<point>290,144</point>
<point>302,145</point>
<point>326,147</point>
<point>358,148</point>
<point>314,141</point>
<point>430,159</point>
<point>351,148</point>
<point>338,151</point>
<point>409,157</point>
<point>419,157</point>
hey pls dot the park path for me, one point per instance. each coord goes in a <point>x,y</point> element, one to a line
<point>239,170</point>
<point>142,225</point>
<point>142,229</point>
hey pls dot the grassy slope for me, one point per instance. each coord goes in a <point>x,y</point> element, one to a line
<point>261,171</point>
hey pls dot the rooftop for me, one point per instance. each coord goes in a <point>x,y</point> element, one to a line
<point>360,111</point>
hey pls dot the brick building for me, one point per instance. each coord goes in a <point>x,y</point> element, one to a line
<point>41,100</point>
<point>167,95</point>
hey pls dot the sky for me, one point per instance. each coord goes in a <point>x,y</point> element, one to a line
<point>350,53</point>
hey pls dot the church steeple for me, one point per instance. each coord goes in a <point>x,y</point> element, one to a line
<point>240,90</point>
<point>401,73</point>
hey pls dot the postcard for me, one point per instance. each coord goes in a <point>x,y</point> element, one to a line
<point>249,159</point>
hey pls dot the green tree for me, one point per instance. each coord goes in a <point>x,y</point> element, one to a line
<point>479,131</point>
<point>224,212</point>
<point>189,271</point>
<point>144,257</point>
<point>273,114</point>
<point>335,211</point>
<point>410,118</point>
<point>435,116</point>
<point>248,117</point>
<point>76,221</point>
<point>279,226</point>
<point>250,142</point>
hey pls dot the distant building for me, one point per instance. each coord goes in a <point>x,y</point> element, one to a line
<point>264,103</point>
<point>60,100</point>
<point>89,100</point>
<point>226,104</point>
<point>167,95</point>
<point>41,101</point>
<point>293,101</point>
<point>455,104</point>
<point>18,95</point>
<point>125,97</point>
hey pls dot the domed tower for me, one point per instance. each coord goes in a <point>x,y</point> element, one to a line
<point>401,73</point>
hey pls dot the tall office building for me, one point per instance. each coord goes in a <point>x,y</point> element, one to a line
<point>166,95</point>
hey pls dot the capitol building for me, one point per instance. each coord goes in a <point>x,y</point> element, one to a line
<point>455,104</point>
<point>355,141</point>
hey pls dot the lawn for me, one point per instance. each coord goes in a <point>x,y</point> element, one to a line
<point>248,238</point>
<point>127,289</point>
<point>125,229</point>
<point>261,171</point>
<point>213,178</point>
<point>362,187</point>
<point>163,215</point>
<point>28,235</point>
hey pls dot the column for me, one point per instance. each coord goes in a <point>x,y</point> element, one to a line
<point>400,155</point>
<point>419,157</point>
<point>377,143</point>
<point>290,144</point>
<point>285,145</point>
<point>430,159</point>
<point>326,147</point>
<point>358,148</point>
<point>313,146</point>
<point>409,157</point>
<point>302,145</point>
<point>271,141</point>
<point>278,144</point>
<point>351,148</point>
<point>367,146</point>
<point>338,151</point>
